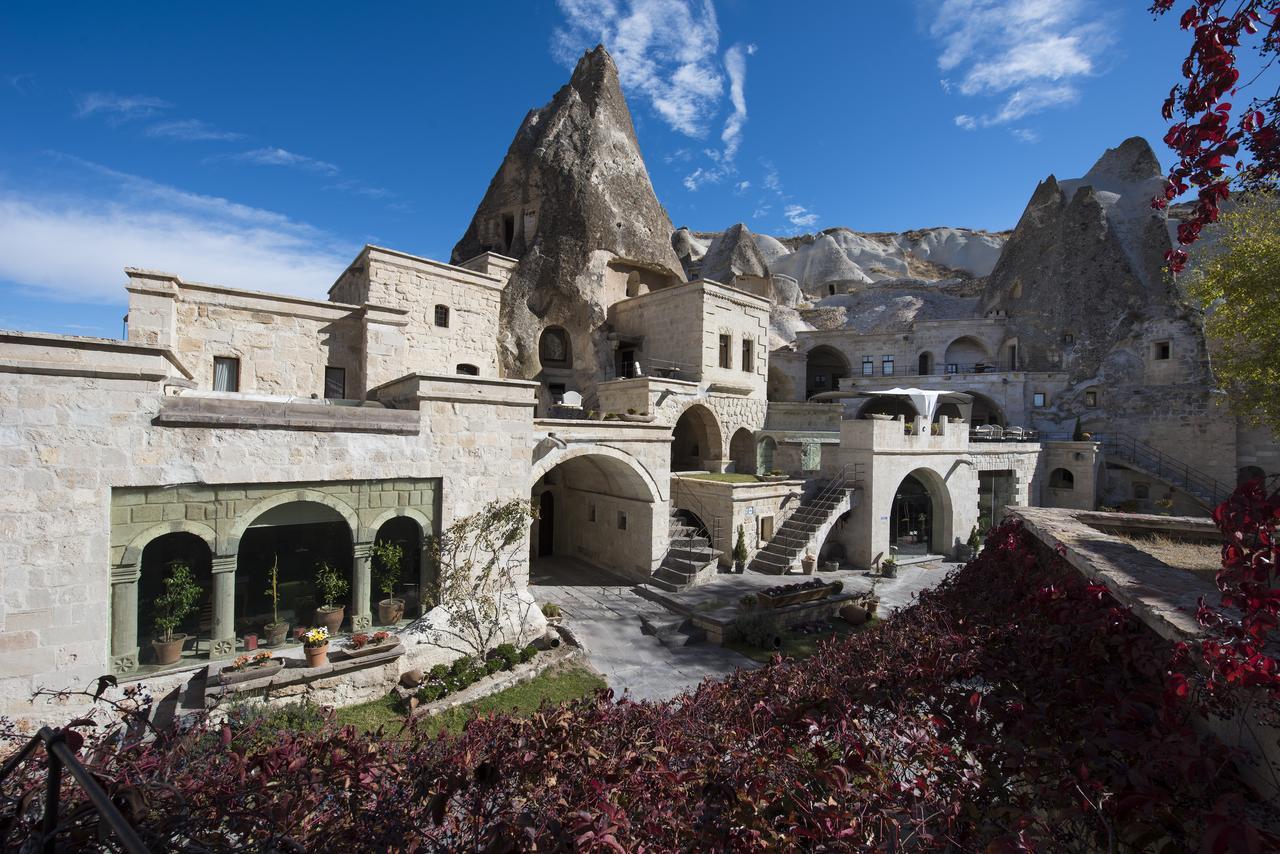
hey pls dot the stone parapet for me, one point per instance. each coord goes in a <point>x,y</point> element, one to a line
<point>234,412</point>
<point>97,358</point>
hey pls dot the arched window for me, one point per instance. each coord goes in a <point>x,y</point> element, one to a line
<point>1062,479</point>
<point>553,348</point>
<point>468,370</point>
<point>925,364</point>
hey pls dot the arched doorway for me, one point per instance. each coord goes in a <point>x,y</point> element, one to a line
<point>159,558</point>
<point>966,355</point>
<point>920,515</point>
<point>554,349</point>
<point>824,368</point>
<point>546,524</point>
<point>695,440</point>
<point>405,532</point>
<point>297,537</point>
<point>924,366</point>
<point>742,450</point>
<point>598,507</point>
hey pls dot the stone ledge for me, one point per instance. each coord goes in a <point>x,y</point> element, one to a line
<point>230,413</point>
<point>300,675</point>
<point>1163,597</point>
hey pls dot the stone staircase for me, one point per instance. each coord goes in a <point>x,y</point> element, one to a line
<point>690,559</point>
<point>1150,460</point>
<point>809,523</point>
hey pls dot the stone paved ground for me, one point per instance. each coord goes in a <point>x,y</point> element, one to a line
<point>605,613</point>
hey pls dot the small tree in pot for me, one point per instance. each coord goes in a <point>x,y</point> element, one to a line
<point>332,586</point>
<point>181,593</point>
<point>388,559</point>
<point>276,630</point>
<point>740,552</point>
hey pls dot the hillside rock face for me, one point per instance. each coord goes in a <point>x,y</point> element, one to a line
<point>572,201</point>
<point>1084,263</point>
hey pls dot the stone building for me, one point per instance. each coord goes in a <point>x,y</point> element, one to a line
<point>579,354</point>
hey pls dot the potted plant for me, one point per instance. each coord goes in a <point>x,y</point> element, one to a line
<point>808,563</point>
<point>181,593</point>
<point>331,586</point>
<point>315,643</point>
<point>632,415</point>
<point>889,568</point>
<point>277,629</point>
<point>365,644</point>
<point>388,558</point>
<point>248,667</point>
<point>775,475</point>
<point>748,602</point>
<point>740,552</point>
<point>552,612</point>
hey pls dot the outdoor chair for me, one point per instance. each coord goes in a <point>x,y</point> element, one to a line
<point>1016,434</point>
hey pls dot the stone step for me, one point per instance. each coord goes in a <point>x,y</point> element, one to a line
<point>660,623</point>
<point>693,551</point>
<point>685,565</point>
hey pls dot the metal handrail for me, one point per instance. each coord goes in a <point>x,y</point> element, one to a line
<point>713,534</point>
<point>1164,466</point>
<point>61,757</point>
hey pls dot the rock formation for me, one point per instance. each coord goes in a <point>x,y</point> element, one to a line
<point>572,201</point>
<point>734,253</point>
<point>1092,242</point>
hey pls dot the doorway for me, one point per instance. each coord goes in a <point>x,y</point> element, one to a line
<point>546,524</point>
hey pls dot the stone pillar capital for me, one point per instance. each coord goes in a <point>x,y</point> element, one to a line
<point>363,551</point>
<point>224,563</point>
<point>126,573</point>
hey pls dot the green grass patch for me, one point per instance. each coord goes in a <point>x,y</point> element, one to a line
<point>567,683</point>
<point>797,646</point>
<point>727,477</point>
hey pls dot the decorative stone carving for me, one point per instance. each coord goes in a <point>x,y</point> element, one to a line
<point>124,664</point>
<point>222,648</point>
<point>361,622</point>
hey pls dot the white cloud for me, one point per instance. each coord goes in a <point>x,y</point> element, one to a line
<point>191,130</point>
<point>23,83</point>
<point>741,187</point>
<point>1025,135</point>
<point>119,108</point>
<point>280,157</point>
<point>359,188</point>
<point>735,62</point>
<point>1025,52</point>
<point>133,222</point>
<point>665,52</point>
<point>800,216</point>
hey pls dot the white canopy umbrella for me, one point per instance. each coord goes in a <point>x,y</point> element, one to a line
<point>925,401</point>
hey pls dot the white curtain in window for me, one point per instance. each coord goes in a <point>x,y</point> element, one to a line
<point>224,375</point>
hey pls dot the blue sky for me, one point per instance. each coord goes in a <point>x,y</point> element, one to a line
<point>260,145</point>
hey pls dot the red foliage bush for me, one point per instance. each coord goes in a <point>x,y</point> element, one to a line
<point>1204,138</point>
<point>1016,707</point>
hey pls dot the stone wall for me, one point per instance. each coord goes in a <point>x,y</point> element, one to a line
<point>417,286</point>
<point>283,344</point>
<point>725,506</point>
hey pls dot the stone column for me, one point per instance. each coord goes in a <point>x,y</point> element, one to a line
<point>223,642</point>
<point>362,584</point>
<point>124,618</point>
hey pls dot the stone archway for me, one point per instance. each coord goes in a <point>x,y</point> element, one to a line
<point>964,354</point>
<point>158,559</point>
<point>696,443</point>
<point>608,512</point>
<point>742,451</point>
<point>296,537</point>
<point>920,515</point>
<point>824,368</point>
<point>984,410</point>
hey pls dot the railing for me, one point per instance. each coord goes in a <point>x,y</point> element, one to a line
<point>810,512</point>
<point>691,503</point>
<point>62,757</point>
<point>905,370</point>
<point>649,367</point>
<point>1149,458</point>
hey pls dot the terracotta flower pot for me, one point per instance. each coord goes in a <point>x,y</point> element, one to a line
<point>276,632</point>
<point>331,620</point>
<point>317,656</point>
<point>169,652</point>
<point>390,611</point>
